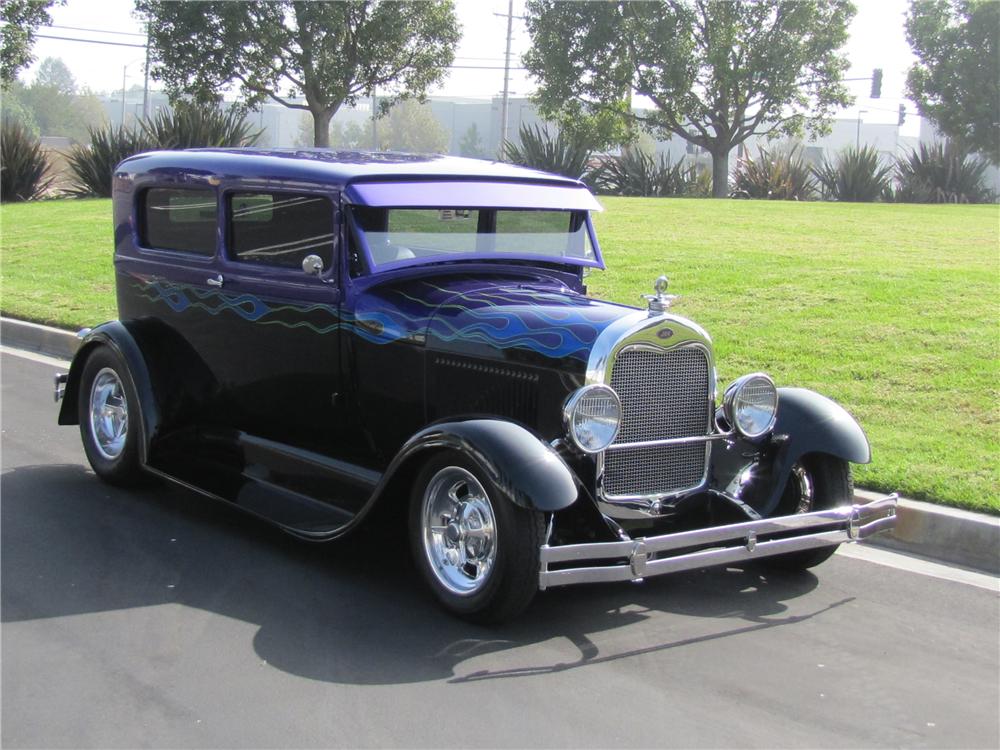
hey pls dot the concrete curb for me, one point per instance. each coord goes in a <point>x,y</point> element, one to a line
<point>958,537</point>
<point>950,535</point>
<point>53,342</point>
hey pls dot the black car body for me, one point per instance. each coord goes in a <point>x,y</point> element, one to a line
<point>311,335</point>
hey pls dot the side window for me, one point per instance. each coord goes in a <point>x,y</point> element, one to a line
<point>175,219</point>
<point>280,229</point>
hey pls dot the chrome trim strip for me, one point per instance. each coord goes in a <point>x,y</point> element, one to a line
<point>734,543</point>
<point>671,441</point>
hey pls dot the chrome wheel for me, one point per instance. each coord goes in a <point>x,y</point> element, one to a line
<point>459,531</point>
<point>804,485</point>
<point>108,414</point>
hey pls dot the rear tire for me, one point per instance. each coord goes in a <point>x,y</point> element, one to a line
<point>110,424</point>
<point>478,552</point>
<point>818,482</point>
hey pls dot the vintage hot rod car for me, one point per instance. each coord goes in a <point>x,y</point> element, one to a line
<point>312,335</point>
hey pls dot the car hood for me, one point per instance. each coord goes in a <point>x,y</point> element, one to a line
<point>526,319</point>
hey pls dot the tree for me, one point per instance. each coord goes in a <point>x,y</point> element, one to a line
<point>716,72</point>
<point>56,105</point>
<point>330,53</point>
<point>956,82</point>
<point>412,127</point>
<point>21,18</point>
<point>471,144</point>
<point>353,136</point>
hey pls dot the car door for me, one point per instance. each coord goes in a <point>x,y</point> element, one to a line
<point>276,327</point>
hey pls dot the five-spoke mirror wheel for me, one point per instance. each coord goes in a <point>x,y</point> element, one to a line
<point>108,410</point>
<point>476,549</point>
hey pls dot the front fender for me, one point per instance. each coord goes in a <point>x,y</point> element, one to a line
<point>115,335</point>
<point>810,423</point>
<point>525,469</point>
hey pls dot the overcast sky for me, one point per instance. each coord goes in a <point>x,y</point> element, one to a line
<point>877,40</point>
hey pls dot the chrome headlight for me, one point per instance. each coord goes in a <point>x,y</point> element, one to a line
<point>751,404</point>
<point>592,415</point>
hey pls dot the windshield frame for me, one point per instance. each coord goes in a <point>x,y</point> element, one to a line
<point>360,237</point>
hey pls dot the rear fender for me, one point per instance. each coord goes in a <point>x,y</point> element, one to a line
<point>116,336</point>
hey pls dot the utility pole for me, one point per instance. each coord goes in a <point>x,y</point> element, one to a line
<point>145,84</point>
<point>857,139</point>
<point>374,123</point>
<point>506,76</point>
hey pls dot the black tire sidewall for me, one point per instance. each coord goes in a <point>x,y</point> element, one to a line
<point>124,468</point>
<point>513,580</point>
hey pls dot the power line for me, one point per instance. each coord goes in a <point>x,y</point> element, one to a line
<point>143,46</point>
<point>90,41</point>
<point>96,31</point>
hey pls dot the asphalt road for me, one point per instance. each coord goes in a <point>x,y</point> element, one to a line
<point>157,618</point>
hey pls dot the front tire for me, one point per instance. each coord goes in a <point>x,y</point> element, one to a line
<point>478,552</point>
<point>817,482</point>
<point>108,410</point>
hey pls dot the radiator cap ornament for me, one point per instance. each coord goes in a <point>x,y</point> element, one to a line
<point>659,302</point>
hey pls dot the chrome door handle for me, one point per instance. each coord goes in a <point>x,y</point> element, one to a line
<point>215,281</point>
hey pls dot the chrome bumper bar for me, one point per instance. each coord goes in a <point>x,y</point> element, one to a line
<point>636,559</point>
<point>60,383</point>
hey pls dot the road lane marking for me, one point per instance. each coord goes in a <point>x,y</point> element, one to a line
<point>34,357</point>
<point>921,566</point>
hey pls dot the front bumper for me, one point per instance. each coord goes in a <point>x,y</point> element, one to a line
<point>635,559</point>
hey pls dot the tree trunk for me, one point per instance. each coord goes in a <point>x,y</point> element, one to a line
<point>720,173</point>
<point>321,128</point>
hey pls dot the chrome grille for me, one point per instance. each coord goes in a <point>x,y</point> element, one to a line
<point>664,394</point>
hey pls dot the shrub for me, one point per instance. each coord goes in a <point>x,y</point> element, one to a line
<point>941,173</point>
<point>636,173</point>
<point>24,169</point>
<point>539,150</point>
<point>193,126</point>
<point>94,165</point>
<point>858,175</point>
<point>775,175</point>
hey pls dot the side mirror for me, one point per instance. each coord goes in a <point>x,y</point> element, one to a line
<point>312,265</point>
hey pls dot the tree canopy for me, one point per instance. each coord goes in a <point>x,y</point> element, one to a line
<point>53,104</point>
<point>21,18</point>
<point>715,72</point>
<point>956,82</point>
<point>329,53</point>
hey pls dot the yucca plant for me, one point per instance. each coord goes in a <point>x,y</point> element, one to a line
<point>858,175</point>
<point>93,165</point>
<point>776,175</point>
<point>24,168</point>
<point>941,173</point>
<point>192,126</point>
<point>539,150</point>
<point>636,173</point>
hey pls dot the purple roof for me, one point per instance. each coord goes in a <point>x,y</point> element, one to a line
<point>335,168</point>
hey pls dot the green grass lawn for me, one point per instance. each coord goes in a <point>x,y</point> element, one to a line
<point>892,310</point>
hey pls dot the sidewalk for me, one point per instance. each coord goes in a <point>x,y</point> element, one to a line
<point>949,535</point>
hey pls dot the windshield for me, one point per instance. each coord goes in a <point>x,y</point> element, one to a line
<point>394,236</point>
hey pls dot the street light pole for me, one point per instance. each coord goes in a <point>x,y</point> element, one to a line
<point>124,68</point>
<point>857,139</point>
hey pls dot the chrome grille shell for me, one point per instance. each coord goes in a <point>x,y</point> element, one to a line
<point>664,396</point>
<point>641,340</point>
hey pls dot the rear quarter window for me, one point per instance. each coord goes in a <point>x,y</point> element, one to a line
<point>179,219</point>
